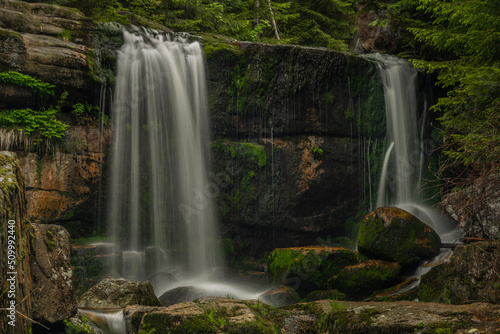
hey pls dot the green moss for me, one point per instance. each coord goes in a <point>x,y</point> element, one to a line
<point>6,34</point>
<point>50,241</point>
<point>218,47</point>
<point>314,267</point>
<point>361,280</point>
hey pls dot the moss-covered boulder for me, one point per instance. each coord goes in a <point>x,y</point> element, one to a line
<point>307,268</point>
<point>207,315</point>
<point>392,234</point>
<point>362,279</point>
<point>119,292</point>
<point>472,275</point>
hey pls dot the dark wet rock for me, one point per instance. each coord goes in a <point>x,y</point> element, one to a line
<point>91,263</point>
<point>280,296</point>
<point>360,280</point>
<point>119,292</point>
<point>407,290</point>
<point>393,234</point>
<point>308,268</point>
<point>53,297</point>
<point>187,294</point>
<point>325,294</point>
<point>472,275</point>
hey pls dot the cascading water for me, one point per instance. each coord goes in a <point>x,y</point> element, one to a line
<point>160,197</point>
<point>404,161</point>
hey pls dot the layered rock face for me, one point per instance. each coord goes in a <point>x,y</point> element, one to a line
<point>48,42</point>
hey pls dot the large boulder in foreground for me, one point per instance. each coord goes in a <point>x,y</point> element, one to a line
<point>53,297</point>
<point>472,275</point>
<point>119,292</point>
<point>393,234</point>
<point>307,269</point>
<point>361,280</point>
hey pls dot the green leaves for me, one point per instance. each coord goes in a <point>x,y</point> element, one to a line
<point>39,87</point>
<point>35,123</point>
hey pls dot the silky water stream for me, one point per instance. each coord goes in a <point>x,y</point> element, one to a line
<point>405,160</point>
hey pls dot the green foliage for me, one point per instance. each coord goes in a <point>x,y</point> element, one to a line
<point>39,87</point>
<point>459,41</point>
<point>327,23</point>
<point>316,150</point>
<point>37,124</point>
<point>88,114</point>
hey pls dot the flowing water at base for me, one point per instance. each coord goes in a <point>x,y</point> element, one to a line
<point>109,321</point>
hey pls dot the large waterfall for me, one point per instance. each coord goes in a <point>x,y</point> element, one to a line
<point>405,158</point>
<point>161,201</point>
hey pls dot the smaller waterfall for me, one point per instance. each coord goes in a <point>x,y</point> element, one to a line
<point>109,321</point>
<point>404,160</point>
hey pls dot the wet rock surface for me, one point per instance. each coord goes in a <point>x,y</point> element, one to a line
<point>472,275</point>
<point>53,294</point>
<point>119,292</point>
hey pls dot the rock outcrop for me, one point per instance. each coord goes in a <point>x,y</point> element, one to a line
<point>472,275</point>
<point>63,187</point>
<point>53,295</point>
<point>215,315</point>
<point>15,271</point>
<point>118,293</point>
<point>51,43</point>
<point>393,234</point>
<point>477,208</point>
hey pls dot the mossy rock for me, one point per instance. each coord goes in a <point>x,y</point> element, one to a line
<point>119,292</point>
<point>307,268</point>
<point>325,294</point>
<point>470,276</point>
<point>363,279</point>
<point>392,234</point>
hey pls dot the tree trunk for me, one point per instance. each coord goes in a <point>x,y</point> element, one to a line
<point>256,19</point>
<point>273,21</point>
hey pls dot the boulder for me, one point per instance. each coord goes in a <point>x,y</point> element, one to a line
<point>360,280</point>
<point>479,218</point>
<point>407,290</point>
<point>53,297</point>
<point>207,315</point>
<point>472,275</point>
<point>392,234</point>
<point>119,292</point>
<point>306,269</point>
<point>280,296</point>
<point>187,294</point>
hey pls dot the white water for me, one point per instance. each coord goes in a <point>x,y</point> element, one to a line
<point>109,321</point>
<point>404,161</point>
<point>160,196</point>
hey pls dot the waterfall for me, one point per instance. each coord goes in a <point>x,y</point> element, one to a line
<point>161,200</point>
<point>404,161</point>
